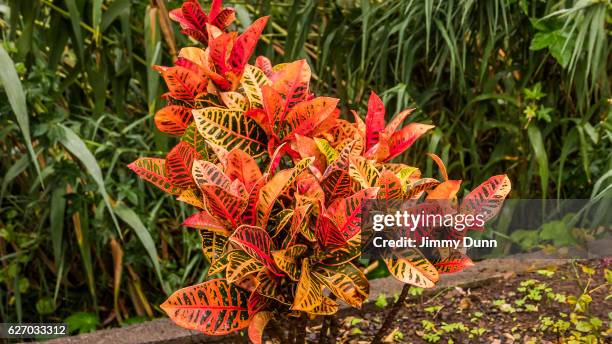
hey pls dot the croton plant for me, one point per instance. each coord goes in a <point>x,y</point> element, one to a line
<point>277,178</point>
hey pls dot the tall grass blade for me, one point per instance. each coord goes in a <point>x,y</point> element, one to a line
<point>16,97</point>
<point>77,147</point>
<point>129,216</point>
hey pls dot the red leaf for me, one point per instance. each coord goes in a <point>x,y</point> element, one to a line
<point>196,34</point>
<point>183,83</point>
<point>205,172</point>
<point>223,204</point>
<point>215,8</point>
<point>336,179</point>
<point>375,120</point>
<point>257,326</point>
<point>173,119</point>
<point>346,215</point>
<point>292,83</point>
<point>220,48</point>
<point>249,216</point>
<point>397,121</point>
<point>179,162</point>
<point>453,263</point>
<point>256,242</point>
<point>403,139</point>
<point>245,45</point>
<point>445,191</point>
<point>194,15</point>
<point>273,105</point>
<point>153,170</point>
<point>224,19</point>
<point>203,220</point>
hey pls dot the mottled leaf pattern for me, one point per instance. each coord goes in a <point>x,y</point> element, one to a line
<point>239,265</point>
<point>252,79</point>
<point>286,260</point>
<point>347,282</point>
<point>234,101</point>
<point>222,204</point>
<point>411,267</point>
<point>213,307</point>
<point>184,84</point>
<point>230,129</point>
<point>189,196</point>
<point>453,263</point>
<point>405,137</point>
<point>256,242</point>
<point>243,167</point>
<point>326,149</point>
<point>363,171</point>
<point>154,171</point>
<point>305,116</point>
<point>245,44</point>
<point>204,220</point>
<point>173,119</point>
<point>179,162</point>
<point>309,293</point>
<point>205,172</point>
<point>486,199</point>
<point>213,245</point>
<point>194,139</point>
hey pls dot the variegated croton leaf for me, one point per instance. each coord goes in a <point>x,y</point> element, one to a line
<point>214,307</point>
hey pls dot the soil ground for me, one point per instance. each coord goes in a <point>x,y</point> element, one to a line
<point>551,305</point>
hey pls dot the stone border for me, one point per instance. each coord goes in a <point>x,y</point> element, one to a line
<point>163,331</point>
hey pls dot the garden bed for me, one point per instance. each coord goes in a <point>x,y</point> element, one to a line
<point>543,304</point>
<point>480,301</point>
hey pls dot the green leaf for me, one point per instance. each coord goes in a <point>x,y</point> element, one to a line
<point>535,137</point>
<point>82,322</point>
<point>75,20</point>
<point>381,301</point>
<point>129,216</point>
<point>77,147</point>
<point>16,97</point>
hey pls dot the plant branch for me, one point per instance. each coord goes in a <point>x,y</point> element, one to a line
<point>390,318</point>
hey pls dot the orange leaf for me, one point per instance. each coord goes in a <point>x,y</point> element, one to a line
<point>243,167</point>
<point>213,307</point>
<point>203,220</point>
<point>305,116</point>
<point>257,326</point>
<point>173,119</point>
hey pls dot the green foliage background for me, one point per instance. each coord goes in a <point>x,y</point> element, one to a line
<point>521,87</point>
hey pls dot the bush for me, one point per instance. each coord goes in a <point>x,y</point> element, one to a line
<point>278,239</point>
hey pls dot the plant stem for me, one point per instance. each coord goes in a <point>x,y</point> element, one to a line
<point>300,333</point>
<point>333,329</point>
<point>390,318</point>
<point>324,328</point>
